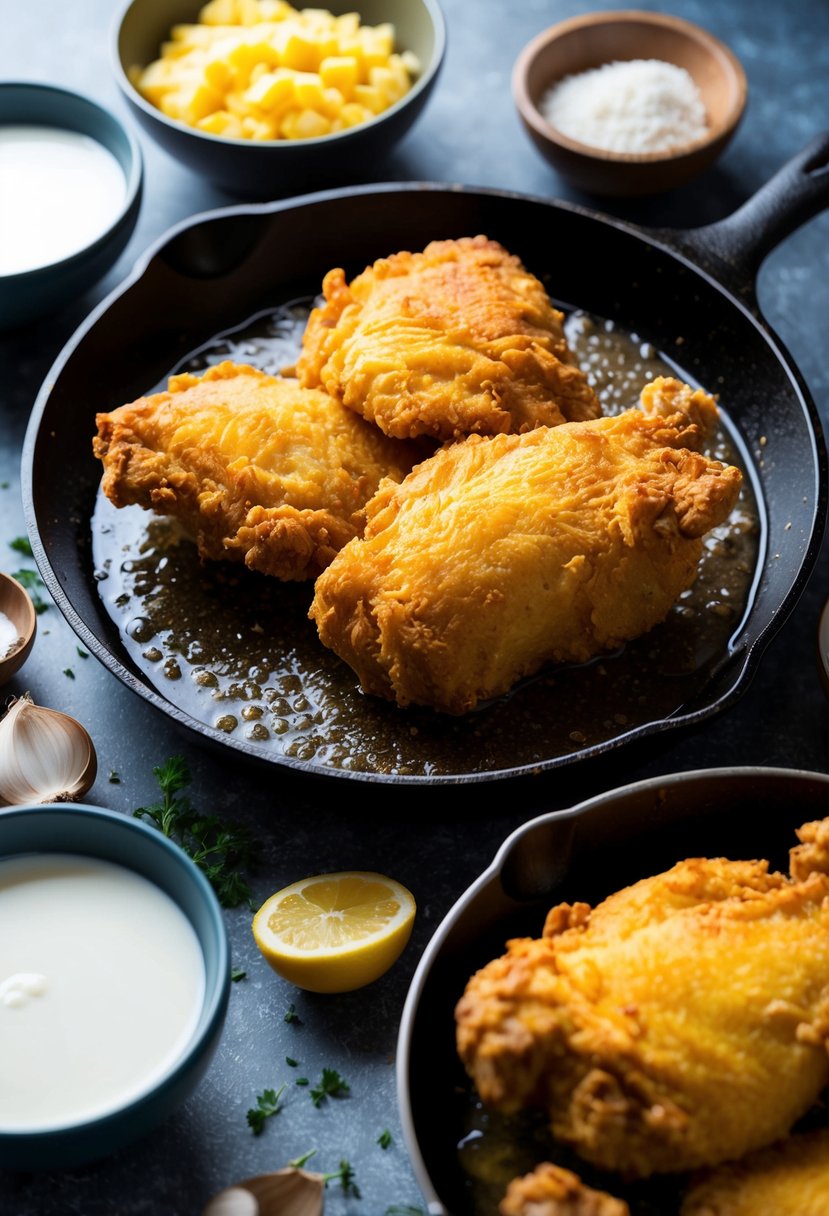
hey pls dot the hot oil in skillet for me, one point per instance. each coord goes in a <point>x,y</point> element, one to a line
<point>237,653</point>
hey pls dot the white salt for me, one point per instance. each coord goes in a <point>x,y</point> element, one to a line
<point>9,636</point>
<point>635,105</point>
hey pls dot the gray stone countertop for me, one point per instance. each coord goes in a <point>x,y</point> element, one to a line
<point>437,840</point>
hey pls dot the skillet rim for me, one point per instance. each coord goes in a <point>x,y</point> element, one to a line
<point>721,775</point>
<point>745,662</point>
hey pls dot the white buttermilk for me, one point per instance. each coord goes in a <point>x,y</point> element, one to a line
<point>59,191</point>
<point>101,985</point>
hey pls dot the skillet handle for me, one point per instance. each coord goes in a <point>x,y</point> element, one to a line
<point>733,249</point>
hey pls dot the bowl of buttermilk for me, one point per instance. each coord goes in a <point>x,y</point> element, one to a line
<point>114,982</point>
<point>78,177</point>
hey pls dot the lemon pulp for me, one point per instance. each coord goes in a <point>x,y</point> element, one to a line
<point>335,932</point>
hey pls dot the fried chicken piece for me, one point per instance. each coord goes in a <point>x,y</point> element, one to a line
<point>256,468</point>
<point>456,340</point>
<point>499,555</point>
<point>681,1023</point>
<point>789,1179</point>
<point>552,1191</point>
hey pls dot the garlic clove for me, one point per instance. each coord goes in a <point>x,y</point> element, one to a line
<point>288,1192</point>
<point>235,1201</point>
<point>45,755</point>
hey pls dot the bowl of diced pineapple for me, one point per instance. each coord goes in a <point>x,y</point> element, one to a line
<point>267,99</point>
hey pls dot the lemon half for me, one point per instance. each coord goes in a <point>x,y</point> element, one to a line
<point>335,932</point>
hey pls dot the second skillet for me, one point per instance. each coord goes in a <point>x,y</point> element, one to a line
<point>690,294</point>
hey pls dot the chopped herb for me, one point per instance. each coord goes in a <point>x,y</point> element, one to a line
<point>69,673</point>
<point>238,974</point>
<point>217,848</point>
<point>345,1176</point>
<point>82,654</point>
<point>298,1162</point>
<point>4,485</point>
<point>384,1139</point>
<point>292,1016</point>
<point>20,544</point>
<point>331,1085</point>
<point>291,1063</point>
<point>114,778</point>
<point>31,580</point>
<point>405,1210</point>
<point>302,1081</point>
<point>267,1105</point>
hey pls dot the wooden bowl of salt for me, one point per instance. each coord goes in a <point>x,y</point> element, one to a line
<point>18,626</point>
<point>629,103</point>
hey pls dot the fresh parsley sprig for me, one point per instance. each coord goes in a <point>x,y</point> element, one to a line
<point>330,1085</point>
<point>31,580</point>
<point>220,849</point>
<point>345,1176</point>
<point>267,1105</point>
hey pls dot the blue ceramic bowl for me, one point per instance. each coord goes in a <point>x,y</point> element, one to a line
<point>93,832</point>
<point>259,169</point>
<point>44,289</point>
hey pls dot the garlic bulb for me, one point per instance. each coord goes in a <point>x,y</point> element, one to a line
<point>45,756</point>
<point>288,1192</point>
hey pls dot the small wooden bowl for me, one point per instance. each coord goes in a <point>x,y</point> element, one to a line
<point>16,604</point>
<point>590,41</point>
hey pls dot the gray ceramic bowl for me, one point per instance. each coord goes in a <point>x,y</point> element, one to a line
<point>275,168</point>
<point>581,852</point>
<point>93,832</point>
<point>44,289</point>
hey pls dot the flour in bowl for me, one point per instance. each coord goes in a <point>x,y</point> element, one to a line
<point>636,105</point>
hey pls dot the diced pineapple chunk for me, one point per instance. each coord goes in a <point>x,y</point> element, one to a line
<point>271,90</point>
<point>199,101</point>
<point>340,72</point>
<point>353,114</point>
<point>219,75</point>
<point>258,128</point>
<point>221,122</point>
<point>300,52</point>
<point>370,97</point>
<point>304,124</point>
<point>387,83</point>
<point>218,12</point>
<point>157,79</point>
<point>308,90</point>
<point>262,69</point>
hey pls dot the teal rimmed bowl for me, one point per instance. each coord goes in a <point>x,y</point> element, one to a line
<point>43,289</point>
<point>93,832</point>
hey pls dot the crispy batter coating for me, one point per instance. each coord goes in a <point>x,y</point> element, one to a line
<point>789,1179</point>
<point>257,469</point>
<point>552,1191</point>
<point>459,339</point>
<point>496,556</point>
<point>681,1023</point>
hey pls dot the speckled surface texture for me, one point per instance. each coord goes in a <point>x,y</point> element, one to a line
<point>438,841</point>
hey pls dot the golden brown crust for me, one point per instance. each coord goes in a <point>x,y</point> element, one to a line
<point>457,339</point>
<point>552,1191</point>
<point>256,468</point>
<point>680,1023</point>
<point>791,1178</point>
<point>498,555</point>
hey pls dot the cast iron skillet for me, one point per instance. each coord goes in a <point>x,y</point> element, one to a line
<point>583,853</point>
<point>218,269</point>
